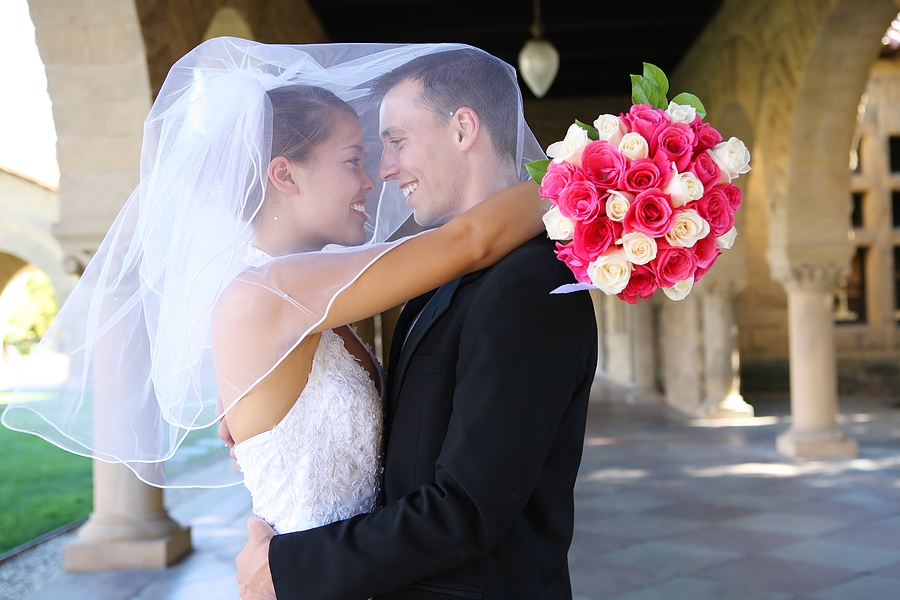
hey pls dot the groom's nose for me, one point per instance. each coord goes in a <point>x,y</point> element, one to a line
<point>388,168</point>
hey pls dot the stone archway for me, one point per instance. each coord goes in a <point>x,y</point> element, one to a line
<point>809,247</point>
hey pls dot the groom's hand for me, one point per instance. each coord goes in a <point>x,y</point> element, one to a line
<point>253,575</point>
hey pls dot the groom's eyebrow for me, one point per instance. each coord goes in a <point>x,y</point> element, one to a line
<point>391,132</point>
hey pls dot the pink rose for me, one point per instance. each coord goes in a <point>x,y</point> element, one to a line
<point>707,136</point>
<point>558,176</point>
<point>705,169</point>
<point>701,271</point>
<point>647,173</point>
<point>580,200</point>
<point>706,251</point>
<point>641,285</point>
<point>603,164</point>
<point>566,253</point>
<point>645,120</point>
<point>673,264</point>
<point>593,238</point>
<point>734,195</point>
<point>716,209</point>
<point>676,141</point>
<point>651,213</point>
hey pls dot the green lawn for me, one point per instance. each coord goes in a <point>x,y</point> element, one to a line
<point>41,487</point>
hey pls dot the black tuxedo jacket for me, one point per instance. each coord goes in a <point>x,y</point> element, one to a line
<point>484,426</point>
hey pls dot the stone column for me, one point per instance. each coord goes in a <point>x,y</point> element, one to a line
<point>619,341</point>
<point>722,395</point>
<point>814,431</point>
<point>644,347</point>
<point>129,527</point>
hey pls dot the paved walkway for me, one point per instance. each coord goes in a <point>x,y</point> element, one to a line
<point>667,509</point>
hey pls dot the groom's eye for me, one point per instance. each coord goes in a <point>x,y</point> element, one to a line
<point>396,142</point>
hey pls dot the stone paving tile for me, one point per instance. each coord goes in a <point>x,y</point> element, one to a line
<point>103,585</point>
<point>586,543</point>
<point>686,588</point>
<point>743,541</point>
<point>864,588</point>
<point>637,501</point>
<point>884,534</point>
<point>702,512</point>
<point>838,554</point>
<point>669,558</point>
<point>595,579</point>
<point>639,526</point>
<point>791,524</point>
<point>776,575</point>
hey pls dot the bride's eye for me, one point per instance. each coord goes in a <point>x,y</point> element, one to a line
<point>355,161</point>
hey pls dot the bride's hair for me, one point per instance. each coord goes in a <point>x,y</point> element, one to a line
<point>303,116</point>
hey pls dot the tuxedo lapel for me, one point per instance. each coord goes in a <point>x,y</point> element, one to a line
<point>438,304</point>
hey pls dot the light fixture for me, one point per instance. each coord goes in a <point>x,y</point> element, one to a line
<point>538,59</point>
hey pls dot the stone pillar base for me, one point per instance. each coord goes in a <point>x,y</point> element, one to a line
<point>143,554</point>
<point>732,407</point>
<point>643,397</point>
<point>821,444</point>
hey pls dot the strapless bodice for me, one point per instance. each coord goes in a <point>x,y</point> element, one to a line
<point>321,463</point>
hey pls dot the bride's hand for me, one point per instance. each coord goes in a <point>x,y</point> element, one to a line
<point>224,432</point>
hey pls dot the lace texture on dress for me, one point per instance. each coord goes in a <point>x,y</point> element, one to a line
<point>321,463</point>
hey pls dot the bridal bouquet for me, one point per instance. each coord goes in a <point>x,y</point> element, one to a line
<point>643,200</point>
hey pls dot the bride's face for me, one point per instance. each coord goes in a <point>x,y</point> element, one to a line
<point>333,185</point>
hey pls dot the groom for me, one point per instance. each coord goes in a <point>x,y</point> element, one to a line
<point>487,391</point>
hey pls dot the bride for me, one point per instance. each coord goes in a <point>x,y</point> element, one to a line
<point>254,237</point>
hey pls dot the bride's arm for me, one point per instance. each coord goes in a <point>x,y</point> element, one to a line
<point>474,240</point>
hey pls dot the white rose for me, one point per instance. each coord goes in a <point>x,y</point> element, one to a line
<point>558,227</point>
<point>680,290</point>
<point>569,150</point>
<point>681,113</point>
<point>683,188</point>
<point>689,228</point>
<point>733,159</point>
<point>638,247</point>
<point>610,128</point>
<point>634,146</point>
<point>726,240</point>
<point>617,204</point>
<point>611,272</point>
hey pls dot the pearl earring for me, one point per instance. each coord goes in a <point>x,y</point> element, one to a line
<point>276,218</point>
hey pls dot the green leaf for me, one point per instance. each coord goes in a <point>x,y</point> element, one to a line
<point>690,100</point>
<point>638,92</point>
<point>537,169</point>
<point>591,130</point>
<point>659,79</point>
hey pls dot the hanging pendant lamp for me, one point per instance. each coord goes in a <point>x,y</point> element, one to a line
<point>538,59</point>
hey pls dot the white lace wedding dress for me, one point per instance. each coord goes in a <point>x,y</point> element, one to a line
<point>321,463</point>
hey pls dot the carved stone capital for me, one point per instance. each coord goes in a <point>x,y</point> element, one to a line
<point>822,275</point>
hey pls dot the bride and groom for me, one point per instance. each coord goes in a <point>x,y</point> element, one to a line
<point>452,478</point>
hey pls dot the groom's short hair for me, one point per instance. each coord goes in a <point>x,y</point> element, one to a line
<point>466,77</point>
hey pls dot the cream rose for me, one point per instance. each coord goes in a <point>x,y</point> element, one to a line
<point>611,272</point>
<point>733,159</point>
<point>683,188</point>
<point>610,128</point>
<point>638,247</point>
<point>569,150</point>
<point>681,113</point>
<point>680,290</point>
<point>617,204</point>
<point>689,228</point>
<point>558,227</point>
<point>634,146</point>
<point>726,240</point>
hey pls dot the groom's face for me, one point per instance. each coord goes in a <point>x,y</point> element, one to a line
<point>419,154</point>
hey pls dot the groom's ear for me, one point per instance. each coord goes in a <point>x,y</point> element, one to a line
<point>282,176</point>
<point>466,128</point>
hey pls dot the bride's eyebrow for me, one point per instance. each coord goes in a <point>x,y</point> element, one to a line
<point>353,147</point>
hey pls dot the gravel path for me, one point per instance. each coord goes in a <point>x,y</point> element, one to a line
<point>34,568</point>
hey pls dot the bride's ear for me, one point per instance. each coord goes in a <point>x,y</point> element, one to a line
<point>466,128</point>
<point>281,174</point>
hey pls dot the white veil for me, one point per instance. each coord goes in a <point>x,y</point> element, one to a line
<point>136,329</point>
